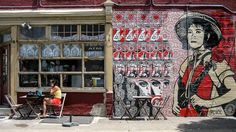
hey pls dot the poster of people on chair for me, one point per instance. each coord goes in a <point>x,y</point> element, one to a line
<point>187,56</point>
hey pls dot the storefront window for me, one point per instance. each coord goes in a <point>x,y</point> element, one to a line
<point>72,50</point>
<point>51,50</point>
<point>94,65</point>
<point>64,32</point>
<point>74,64</point>
<point>92,32</point>
<point>28,32</point>
<point>29,50</point>
<point>92,50</point>
<point>72,80</point>
<point>45,79</point>
<point>61,65</point>
<point>29,80</point>
<point>94,80</point>
<point>29,65</point>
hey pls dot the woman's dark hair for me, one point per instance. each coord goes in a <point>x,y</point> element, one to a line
<point>183,25</point>
<point>208,42</point>
<point>54,82</point>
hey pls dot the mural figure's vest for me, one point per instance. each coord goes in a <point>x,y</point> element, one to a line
<point>211,86</point>
<point>203,90</point>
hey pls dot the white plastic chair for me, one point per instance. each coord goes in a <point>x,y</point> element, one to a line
<point>60,106</point>
<point>15,108</point>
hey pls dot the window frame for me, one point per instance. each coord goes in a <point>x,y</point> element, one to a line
<point>61,43</point>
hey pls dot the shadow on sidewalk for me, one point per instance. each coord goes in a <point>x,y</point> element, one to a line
<point>78,119</point>
<point>210,124</point>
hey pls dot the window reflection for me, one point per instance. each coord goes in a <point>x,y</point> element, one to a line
<point>45,79</point>
<point>61,65</point>
<point>94,80</point>
<point>29,65</point>
<point>28,80</point>
<point>94,65</point>
<point>72,81</point>
<point>33,33</point>
<point>64,32</point>
<point>92,32</point>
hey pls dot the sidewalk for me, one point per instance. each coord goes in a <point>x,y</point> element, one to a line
<point>101,124</point>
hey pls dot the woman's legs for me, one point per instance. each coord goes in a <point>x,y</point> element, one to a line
<point>45,102</point>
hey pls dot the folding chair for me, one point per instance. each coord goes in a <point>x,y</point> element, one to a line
<point>15,108</point>
<point>60,106</point>
<point>159,103</point>
<point>126,107</point>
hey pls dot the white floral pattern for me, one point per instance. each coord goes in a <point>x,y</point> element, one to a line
<point>29,50</point>
<point>51,50</point>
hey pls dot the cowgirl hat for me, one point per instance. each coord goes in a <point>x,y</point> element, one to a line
<point>210,25</point>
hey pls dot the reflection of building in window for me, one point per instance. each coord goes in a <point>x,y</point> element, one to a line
<point>28,80</point>
<point>33,33</point>
<point>29,65</point>
<point>94,65</point>
<point>92,32</point>
<point>94,80</point>
<point>76,80</point>
<point>45,79</point>
<point>64,32</point>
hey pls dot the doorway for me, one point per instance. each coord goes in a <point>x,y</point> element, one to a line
<point>4,72</point>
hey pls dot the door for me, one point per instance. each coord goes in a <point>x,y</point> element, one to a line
<point>4,72</point>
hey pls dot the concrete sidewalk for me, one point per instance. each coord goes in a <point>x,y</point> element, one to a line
<point>100,124</point>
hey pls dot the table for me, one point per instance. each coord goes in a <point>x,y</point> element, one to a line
<point>142,100</point>
<point>34,103</point>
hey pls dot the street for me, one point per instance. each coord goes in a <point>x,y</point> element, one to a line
<point>102,124</point>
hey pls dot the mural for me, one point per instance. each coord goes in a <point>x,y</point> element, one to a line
<point>142,58</point>
<point>204,83</point>
<point>153,49</point>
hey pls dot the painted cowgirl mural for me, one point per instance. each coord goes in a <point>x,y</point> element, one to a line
<point>204,85</point>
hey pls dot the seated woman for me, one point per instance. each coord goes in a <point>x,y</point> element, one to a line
<point>56,93</point>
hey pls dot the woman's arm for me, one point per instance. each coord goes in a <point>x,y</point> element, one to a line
<point>224,75</point>
<point>175,107</point>
<point>53,90</point>
<point>230,84</point>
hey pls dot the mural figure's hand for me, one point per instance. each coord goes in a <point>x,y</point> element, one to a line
<point>176,108</point>
<point>195,100</point>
